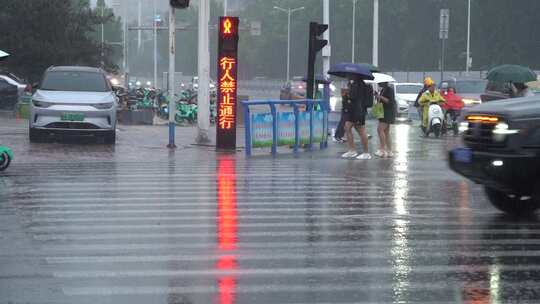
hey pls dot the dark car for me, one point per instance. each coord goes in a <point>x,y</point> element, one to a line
<point>470,89</point>
<point>8,95</point>
<point>295,89</point>
<point>497,91</point>
<point>502,152</point>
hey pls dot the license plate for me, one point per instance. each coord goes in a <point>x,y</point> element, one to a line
<point>72,117</point>
<point>463,155</point>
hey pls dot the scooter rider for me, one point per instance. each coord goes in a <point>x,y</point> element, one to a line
<point>427,82</point>
<point>432,95</point>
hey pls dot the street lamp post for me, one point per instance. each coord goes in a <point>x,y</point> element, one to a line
<point>155,44</point>
<point>467,65</point>
<point>289,11</point>
<point>376,32</point>
<point>353,29</point>
<point>102,35</point>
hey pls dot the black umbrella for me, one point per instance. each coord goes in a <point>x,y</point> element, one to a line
<point>346,70</point>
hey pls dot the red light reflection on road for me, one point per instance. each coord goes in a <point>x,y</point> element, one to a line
<point>227,214</point>
<point>227,222</point>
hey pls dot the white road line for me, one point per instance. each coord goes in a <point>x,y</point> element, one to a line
<point>412,227</point>
<point>241,204</point>
<point>374,255</point>
<point>273,272</point>
<point>238,210</point>
<point>243,289</point>
<point>164,191</point>
<point>245,196</point>
<point>105,236</point>
<point>303,217</point>
<point>184,187</point>
<point>433,244</point>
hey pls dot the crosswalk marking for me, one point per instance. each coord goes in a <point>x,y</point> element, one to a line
<point>221,231</point>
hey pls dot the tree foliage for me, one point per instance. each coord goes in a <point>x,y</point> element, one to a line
<point>41,33</point>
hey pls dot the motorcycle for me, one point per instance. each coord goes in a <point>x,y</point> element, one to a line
<point>451,121</point>
<point>185,112</point>
<point>452,106</point>
<point>435,119</point>
<point>6,156</point>
<point>146,98</point>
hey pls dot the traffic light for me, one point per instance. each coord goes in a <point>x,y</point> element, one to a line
<point>179,3</point>
<point>315,45</point>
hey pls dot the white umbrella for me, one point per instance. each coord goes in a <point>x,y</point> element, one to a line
<point>3,54</point>
<point>380,78</point>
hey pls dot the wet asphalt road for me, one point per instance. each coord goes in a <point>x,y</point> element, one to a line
<point>136,224</point>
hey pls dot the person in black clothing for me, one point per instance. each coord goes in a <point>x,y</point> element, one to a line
<point>354,115</point>
<point>387,97</point>
<point>340,129</point>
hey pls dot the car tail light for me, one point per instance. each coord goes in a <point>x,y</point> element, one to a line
<point>483,119</point>
<point>28,89</point>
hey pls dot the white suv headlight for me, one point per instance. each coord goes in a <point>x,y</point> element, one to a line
<point>41,104</point>
<point>103,106</point>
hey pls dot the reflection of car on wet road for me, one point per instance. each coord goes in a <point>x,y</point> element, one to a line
<point>502,152</point>
<point>406,94</point>
<point>470,89</point>
<point>77,100</point>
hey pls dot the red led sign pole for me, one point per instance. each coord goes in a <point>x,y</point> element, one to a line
<point>227,77</point>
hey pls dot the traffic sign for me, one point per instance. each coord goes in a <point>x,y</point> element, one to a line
<point>444,23</point>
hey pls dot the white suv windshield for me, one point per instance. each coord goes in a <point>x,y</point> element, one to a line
<point>408,89</point>
<point>75,81</point>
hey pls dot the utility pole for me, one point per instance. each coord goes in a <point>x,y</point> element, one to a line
<point>376,32</point>
<point>172,97</point>
<point>327,50</point>
<point>225,7</point>
<point>289,11</point>
<point>203,95</point>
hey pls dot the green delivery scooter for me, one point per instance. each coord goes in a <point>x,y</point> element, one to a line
<point>5,157</point>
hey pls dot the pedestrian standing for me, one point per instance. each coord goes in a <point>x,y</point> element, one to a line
<point>387,98</point>
<point>340,129</point>
<point>355,117</point>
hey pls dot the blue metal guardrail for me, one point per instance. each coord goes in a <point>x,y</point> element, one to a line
<point>299,117</point>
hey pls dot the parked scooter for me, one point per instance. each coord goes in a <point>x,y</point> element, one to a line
<point>6,156</point>
<point>435,119</point>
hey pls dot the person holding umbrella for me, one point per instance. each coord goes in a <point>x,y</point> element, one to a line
<point>516,75</point>
<point>387,97</point>
<point>355,103</point>
<point>340,129</point>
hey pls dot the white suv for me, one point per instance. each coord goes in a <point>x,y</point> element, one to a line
<point>75,100</point>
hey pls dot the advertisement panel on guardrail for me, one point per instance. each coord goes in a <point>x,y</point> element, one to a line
<point>261,136</point>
